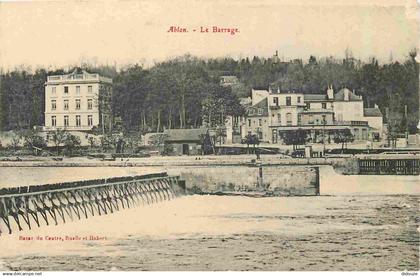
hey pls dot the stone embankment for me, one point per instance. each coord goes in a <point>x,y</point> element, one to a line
<point>245,160</point>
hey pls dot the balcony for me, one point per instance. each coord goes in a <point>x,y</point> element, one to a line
<point>351,123</point>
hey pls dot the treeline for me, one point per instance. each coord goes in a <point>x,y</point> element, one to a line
<point>183,92</point>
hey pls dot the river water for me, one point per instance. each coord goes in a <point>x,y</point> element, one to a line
<point>358,223</point>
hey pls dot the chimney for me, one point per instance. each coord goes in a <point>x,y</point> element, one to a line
<point>346,94</point>
<point>330,93</point>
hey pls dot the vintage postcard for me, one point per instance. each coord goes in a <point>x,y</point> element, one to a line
<point>209,136</point>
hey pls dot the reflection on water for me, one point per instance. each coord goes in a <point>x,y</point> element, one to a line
<point>368,223</point>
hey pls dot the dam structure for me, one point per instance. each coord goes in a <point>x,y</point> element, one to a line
<point>28,206</point>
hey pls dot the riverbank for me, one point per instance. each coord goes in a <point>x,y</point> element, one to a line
<point>241,160</point>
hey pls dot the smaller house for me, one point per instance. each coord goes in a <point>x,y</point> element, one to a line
<point>187,141</point>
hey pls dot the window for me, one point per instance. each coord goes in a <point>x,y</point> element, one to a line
<point>324,105</point>
<point>298,99</point>
<point>53,104</point>
<point>90,120</point>
<point>53,90</point>
<point>66,121</point>
<point>308,105</point>
<point>77,89</point>
<point>279,118</point>
<point>249,122</point>
<point>90,104</point>
<point>259,122</point>
<point>260,111</point>
<point>288,101</point>
<point>356,133</point>
<point>66,104</point>
<point>78,104</point>
<point>78,120</point>
<point>299,122</point>
<point>276,101</point>
<point>90,89</point>
<point>324,119</point>
<point>53,121</point>
<point>311,119</point>
<point>66,89</point>
<point>364,134</point>
<point>289,119</point>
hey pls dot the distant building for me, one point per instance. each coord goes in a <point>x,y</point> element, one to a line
<point>228,80</point>
<point>273,113</point>
<point>187,141</point>
<point>257,120</point>
<point>78,101</point>
<point>245,101</point>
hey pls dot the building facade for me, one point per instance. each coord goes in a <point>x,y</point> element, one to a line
<point>271,114</point>
<point>78,101</point>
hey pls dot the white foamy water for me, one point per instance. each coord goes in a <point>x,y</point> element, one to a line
<point>192,216</point>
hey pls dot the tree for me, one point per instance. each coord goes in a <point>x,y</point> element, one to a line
<point>295,137</point>
<point>251,139</point>
<point>71,142</point>
<point>168,149</point>
<point>343,136</point>
<point>106,142</point>
<point>207,146</point>
<point>15,142</point>
<point>33,141</point>
<point>58,136</point>
<point>92,142</point>
<point>158,139</point>
<point>184,91</point>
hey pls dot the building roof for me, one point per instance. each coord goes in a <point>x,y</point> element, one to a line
<point>372,112</point>
<point>78,75</point>
<point>314,97</point>
<point>192,134</point>
<point>352,97</point>
<point>262,104</point>
<point>259,109</point>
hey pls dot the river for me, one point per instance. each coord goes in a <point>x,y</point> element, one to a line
<point>358,223</point>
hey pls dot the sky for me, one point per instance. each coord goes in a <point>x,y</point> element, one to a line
<point>56,33</point>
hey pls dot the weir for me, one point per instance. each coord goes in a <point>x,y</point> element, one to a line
<point>24,207</point>
<point>398,166</point>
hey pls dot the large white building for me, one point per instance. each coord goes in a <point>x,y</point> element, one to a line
<point>273,113</point>
<point>78,101</point>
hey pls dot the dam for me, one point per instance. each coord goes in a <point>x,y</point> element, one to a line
<point>25,206</point>
<point>79,197</point>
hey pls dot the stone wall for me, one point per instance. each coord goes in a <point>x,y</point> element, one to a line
<point>347,166</point>
<point>280,180</point>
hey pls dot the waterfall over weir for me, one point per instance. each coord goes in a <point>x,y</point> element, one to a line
<point>24,207</point>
